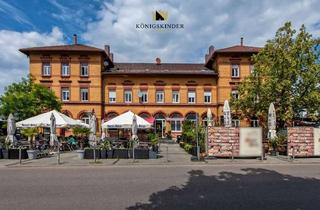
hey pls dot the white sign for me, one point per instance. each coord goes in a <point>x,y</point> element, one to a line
<point>316,136</point>
<point>250,142</point>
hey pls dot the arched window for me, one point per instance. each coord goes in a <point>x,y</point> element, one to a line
<point>85,118</point>
<point>176,119</point>
<point>191,117</point>
<point>111,115</point>
<point>145,115</point>
<point>67,113</point>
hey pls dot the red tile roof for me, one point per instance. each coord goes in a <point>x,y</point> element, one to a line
<point>66,48</point>
<point>163,68</point>
<point>233,49</point>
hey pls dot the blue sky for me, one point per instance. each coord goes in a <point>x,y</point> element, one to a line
<point>28,23</point>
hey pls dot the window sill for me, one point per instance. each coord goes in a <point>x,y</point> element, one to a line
<point>65,76</point>
<point>84,77</point>
<point>46,76</point>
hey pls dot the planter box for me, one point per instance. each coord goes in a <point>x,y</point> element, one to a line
<point>81,154</point>
<point>109,154</point>
<point>5,154</point>
<point>194,151</point>
<point>152,154</point>
<point>141,154</point>
<point>88,154</point>
<point>14,154</point>
<point>32,154</point>
<point>103,154</point>
<point>120,153</point>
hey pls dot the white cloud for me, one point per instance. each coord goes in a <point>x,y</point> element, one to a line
<point>14,64</point>
<point>220,23</point>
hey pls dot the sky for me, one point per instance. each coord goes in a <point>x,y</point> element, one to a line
<point>221,23</point>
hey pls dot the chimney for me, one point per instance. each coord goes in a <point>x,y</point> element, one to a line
<point>75,39</point>
<point>211,50</point>
<point>241,41</point>
<point>158,61</point>
<point>107,49</point>
<point>111,57</point>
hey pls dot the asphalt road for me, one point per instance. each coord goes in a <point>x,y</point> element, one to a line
<point>162,187</point>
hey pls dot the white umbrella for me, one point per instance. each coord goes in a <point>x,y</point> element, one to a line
<point>53,127</point>
<point>103,133</point>
<point>226,114</point>
<point>209,117</point>
<point>11,129</point>
<point>272,121</point>
<point>43,120</point>
<point>93,128</point>
<point>134,128</point>
<point>125,121</point>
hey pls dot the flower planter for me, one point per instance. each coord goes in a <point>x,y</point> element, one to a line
<point>81,154</point>
<point>110,153</point>
<point>32,154</point>
<point>14,154</point>
<point>194,151</point>
<point>152,154</point>
<point>89,154</point>
<point>5,154</point>
<point>103,154</point>
<point>141,154</point>
<point>120,153</point>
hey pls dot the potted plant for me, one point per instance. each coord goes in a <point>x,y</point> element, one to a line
<point>273,144</point>
<point>106,150</point>
<point>5,150</point>
<point>81,133</point>
<point>89,153</point>
<point>30,133</point>
<point>121,153</point>
<point>154,140</point>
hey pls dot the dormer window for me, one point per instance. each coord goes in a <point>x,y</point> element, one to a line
<point>65,69</point>
<point>235,71</point>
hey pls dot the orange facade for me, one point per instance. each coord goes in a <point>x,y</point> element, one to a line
<point>86,79</point>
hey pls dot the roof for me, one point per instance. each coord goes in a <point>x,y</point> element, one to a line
<point>67,48</point>
<point>163,68</point>
<point>233,49</point>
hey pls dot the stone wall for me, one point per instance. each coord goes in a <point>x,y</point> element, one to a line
<point>221,140</point>
<point>301,139</point>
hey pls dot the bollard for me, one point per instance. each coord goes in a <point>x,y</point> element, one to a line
<point>94,154</point>
<point>232,157</point>
<point>293,150</point>
<point>20,161</point>
<point>167,154</point>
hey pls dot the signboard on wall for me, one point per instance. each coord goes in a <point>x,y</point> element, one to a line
<point>316,136</point>
<point>250,142</point>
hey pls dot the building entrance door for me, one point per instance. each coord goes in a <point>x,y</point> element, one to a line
<point>160,127</point>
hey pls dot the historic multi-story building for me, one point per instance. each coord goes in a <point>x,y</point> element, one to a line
<point>86,78</point>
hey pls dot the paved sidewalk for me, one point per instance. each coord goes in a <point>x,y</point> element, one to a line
<point>174,157</point>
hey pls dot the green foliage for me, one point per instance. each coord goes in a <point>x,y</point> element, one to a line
<point>188,131</point>
<point>81,132</point>
<point>188,148</point>
<point>105,145</point>
<point>30,133</point>
<point>153,138</point>
<point>26,99</point>
<point>287,73</point>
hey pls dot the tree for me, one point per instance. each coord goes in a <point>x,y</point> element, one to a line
<point>26,99</point>
<point>287,73</point>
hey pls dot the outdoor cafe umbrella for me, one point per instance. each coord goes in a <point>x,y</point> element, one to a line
<point>53,127</point>
<point>43,120</point>
<point>103,133</point>
<point>11,128</point>
<point>93,128</point>
<point>209,117</point>
<point>134,128</point>
<point>125,121</point>
<point>226,114</point>
<point>272,121</point>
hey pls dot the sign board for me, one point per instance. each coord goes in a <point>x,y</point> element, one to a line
<point>250,142</point>
<point>316,136</point>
